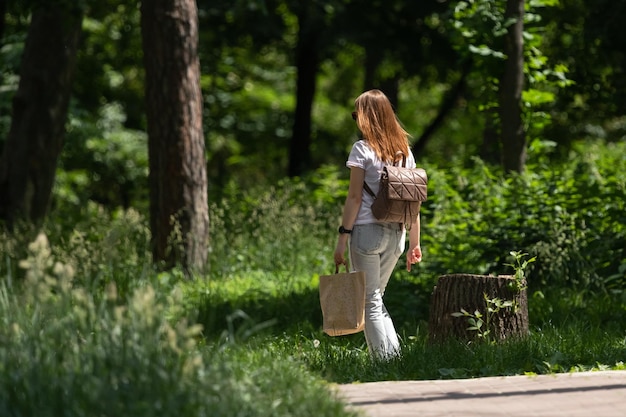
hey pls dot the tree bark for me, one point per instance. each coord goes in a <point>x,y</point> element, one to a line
<point>35,140</point>
<point>465,291</point>
<point>179,218</point>
<point>307,64</point>
<point>511,86</point>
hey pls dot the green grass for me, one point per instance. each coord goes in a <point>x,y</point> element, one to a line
<point>89,327</point>
<point>572,347</point>
<point>71,350</point>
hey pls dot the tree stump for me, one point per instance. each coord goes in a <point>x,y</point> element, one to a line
<point>456,292</point>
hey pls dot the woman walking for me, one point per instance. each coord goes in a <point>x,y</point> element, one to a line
<point>375,246</point>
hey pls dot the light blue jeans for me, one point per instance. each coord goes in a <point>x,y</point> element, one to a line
<point>375,249</point>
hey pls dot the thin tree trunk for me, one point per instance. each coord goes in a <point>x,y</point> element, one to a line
<point>490,149</point>
<point>511,86</point>
<point>3,10</point>
<point>179,218</point>
<point>307,64</point>
<point>372,61</point>
<point>35,140</point>
<point>447,104</point>
<point>389,86</point>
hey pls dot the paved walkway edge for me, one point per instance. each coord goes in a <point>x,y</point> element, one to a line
<point>584,394</point>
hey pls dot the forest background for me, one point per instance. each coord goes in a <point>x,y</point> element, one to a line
<point>439,62</point>
<point>278,80</point>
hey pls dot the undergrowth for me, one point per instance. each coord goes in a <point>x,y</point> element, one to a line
<point>90,327</point>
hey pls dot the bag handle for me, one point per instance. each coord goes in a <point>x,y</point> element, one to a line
<point>337,267</point>
<point>403,158</point>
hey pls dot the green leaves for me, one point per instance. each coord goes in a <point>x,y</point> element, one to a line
<point>533,97</point>
<point>481,323</point>
<point>520,267</point>
<point>484,50</point>
<point>568,217</point>
<point>481,26</point>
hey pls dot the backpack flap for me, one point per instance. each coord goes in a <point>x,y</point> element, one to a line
<point>405,184</point>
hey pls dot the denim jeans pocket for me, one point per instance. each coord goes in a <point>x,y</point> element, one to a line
<point>368,238</point>
<point>401,242</point>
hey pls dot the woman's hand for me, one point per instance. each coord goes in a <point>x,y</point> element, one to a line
<point>414,255</point>
<point>340,251</point>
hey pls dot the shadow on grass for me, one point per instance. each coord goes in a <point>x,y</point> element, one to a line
<point>269,314</point>
<point>274,315</point>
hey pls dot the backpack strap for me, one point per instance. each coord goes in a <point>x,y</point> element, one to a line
<point>368,189</point>
<point>403,158</point>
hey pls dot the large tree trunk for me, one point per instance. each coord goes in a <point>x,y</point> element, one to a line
<point>458,292</point>
<point>511,86</point>
<point>179,218</point>
<point>29,159</point>
<point>307,64</point>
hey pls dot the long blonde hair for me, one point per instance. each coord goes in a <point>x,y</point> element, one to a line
<point>380,126</point>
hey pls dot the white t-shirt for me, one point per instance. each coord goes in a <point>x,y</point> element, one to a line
<point>362,156</point>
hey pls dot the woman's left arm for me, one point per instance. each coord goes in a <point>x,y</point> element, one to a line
<point>414,253</point>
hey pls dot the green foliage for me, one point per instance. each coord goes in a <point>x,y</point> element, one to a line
<point>74,350</point>
<point>67,352</point>
<point>248,117</point>
<point>584,35</point>
<point>109,67</point>
<point>268,247</point>
<point>575,346</point>
<point>101,248</point>
<point>481,323</point>
<point>480,27</point>
<point>87,313</point>
<point>104,162</point>
<point>569,216</point>
<point>287,227</point>
<point>519,265</point>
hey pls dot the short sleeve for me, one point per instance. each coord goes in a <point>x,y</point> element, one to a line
<point>359,155</point>
<point>410,163</point>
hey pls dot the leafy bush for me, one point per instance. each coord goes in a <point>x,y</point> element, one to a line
<point>67,354</point>
<point>572,217</point>
<point>289,227</point>
<point>272,242</point>
<point>68,351</point>
<point>90,328</point>
<point>102,161</point>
